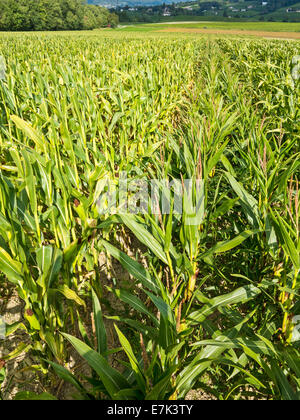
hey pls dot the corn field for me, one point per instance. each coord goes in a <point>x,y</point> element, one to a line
<point>153,306</point>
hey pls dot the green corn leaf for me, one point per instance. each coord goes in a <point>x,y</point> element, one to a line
<point>292,357</point>
<point>288,243</point>
<point>67,376</point>
<point>44,258</point>
<point>11,268</point>
<point>32,319</point>
<point>132,359</point>
<point>250,204</point>
<point>257,346</point>
<point>29,131</point>
<point>132,266</point>
<point>158,391</point>
<point>167,323</point>
<point>113,381</point>
<point>99,325</point>
<point>31,396</point>
<point>229,244</point>
<point>193,371</point>
<point>144,236</point>
<point>57,261</point>
<point>70,294</point>
<point>21,348</point>
<point>134,302</point>
<point>282,383</point>
<point>11,328</point>
<point>137,326</point>
<point>240,295</point>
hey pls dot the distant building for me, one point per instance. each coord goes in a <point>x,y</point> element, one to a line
<point>290,10</point>
<point>166,12</point>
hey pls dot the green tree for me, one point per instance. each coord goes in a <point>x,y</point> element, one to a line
<point>42,15</point>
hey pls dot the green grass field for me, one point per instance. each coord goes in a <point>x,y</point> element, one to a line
<point>242,26</point>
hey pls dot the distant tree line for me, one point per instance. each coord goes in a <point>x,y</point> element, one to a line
<point>149,14</point>
<point>53,15</point>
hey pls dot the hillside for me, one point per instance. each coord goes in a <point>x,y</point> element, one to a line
<point>163,10</point>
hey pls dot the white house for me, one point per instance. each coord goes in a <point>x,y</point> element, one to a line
<point>166,12</point>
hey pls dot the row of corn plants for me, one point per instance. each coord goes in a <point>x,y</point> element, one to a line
<point>212,297</point>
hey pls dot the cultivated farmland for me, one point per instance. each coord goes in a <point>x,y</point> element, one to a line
<point>150,298</point>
